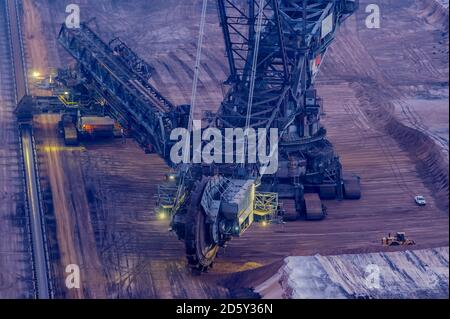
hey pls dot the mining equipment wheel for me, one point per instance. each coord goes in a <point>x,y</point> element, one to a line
<point>201,249</point>
<point>314,210</point>
<point>394,243</point>
<point>290,211</point>
<point>352,188</point>
<point>327,191</point>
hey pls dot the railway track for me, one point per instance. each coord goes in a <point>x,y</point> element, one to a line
<point>41,271</point>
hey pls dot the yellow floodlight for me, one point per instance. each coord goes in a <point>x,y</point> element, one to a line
<point>162,216</point>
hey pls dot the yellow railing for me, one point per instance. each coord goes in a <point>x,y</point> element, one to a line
<point>64,101</point>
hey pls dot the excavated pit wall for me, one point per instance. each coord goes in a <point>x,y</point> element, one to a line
<point>430,159</point>
<point>407,274</point>
<point>434,12</point>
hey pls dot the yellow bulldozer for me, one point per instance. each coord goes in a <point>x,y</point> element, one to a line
<point>399,239</point>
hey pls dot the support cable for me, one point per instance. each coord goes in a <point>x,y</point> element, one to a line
<point>190,127</point>
<point>253,75</point>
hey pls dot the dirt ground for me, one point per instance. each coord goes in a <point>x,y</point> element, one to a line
<point>384,92</point>
<point>74,232</point>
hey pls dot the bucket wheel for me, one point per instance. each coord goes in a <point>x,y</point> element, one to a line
<point>201,248</point>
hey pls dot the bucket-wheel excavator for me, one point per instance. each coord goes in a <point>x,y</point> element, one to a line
<point>274,50</point>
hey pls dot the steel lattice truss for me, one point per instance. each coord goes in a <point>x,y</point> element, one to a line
<point>295,36</point>
<point>274,50</point>
<point>118,75</point>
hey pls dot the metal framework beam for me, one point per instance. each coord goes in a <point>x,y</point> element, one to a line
<point>296,35</point>
<point>121,81</point>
